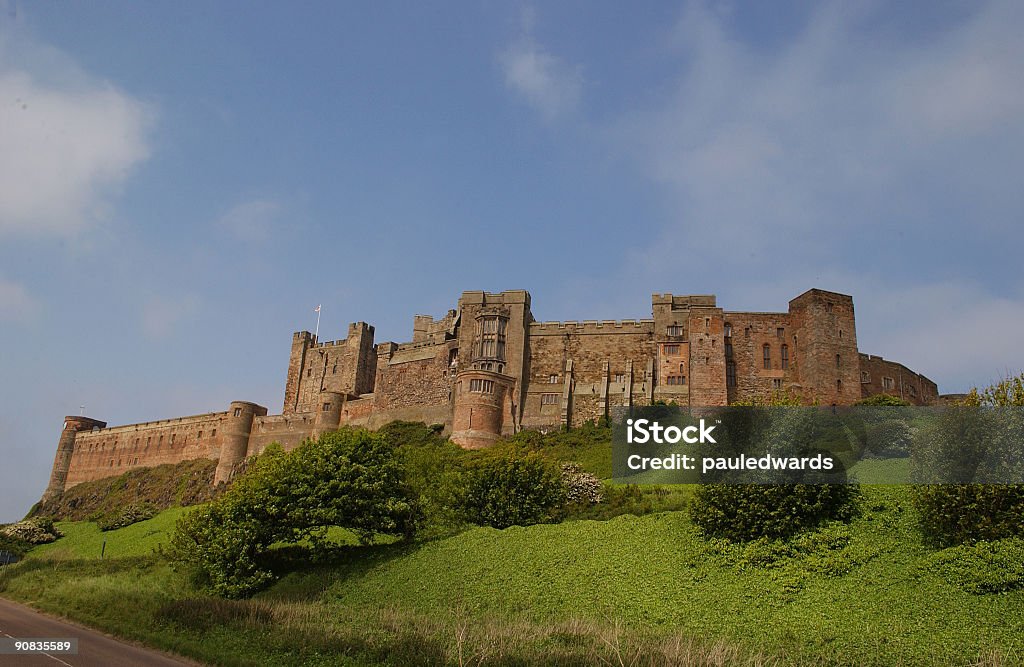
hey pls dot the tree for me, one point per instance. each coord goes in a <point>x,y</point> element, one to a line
<point>779,427</point>
<point>349,478</point>
<point>979,440</point>
<point>512,489</point>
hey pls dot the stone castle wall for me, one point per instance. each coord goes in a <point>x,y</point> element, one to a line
<point>487,369</point>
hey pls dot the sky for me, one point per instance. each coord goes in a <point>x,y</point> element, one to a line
<point>182,183</point>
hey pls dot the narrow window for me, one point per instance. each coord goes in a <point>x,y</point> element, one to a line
<point>780,332</point>
<point>213,433</point>
<point>839,360</point>
<point>620,378</point>
<point>549,399</point>
<point>776,383</point>
<point>766,352</point>
<point>728,330</point>
<point>238,412</point>
<point>728,350</point>
<point>730,374</point>
<point>828,306</point>
<point>552,379</point>
<point>327,407</point>
<point>839,385</point>
<point>675,330</point>
<point>785,356</point>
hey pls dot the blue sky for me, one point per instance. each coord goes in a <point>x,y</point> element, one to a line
<point>180,185</point>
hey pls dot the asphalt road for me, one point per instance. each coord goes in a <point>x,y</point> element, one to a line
<point>94,649</point>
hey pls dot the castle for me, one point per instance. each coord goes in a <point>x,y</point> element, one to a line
<point>487,369</point>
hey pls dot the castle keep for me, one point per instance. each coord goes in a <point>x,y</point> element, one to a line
<point>487,369</point>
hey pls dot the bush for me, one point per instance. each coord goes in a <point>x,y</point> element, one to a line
<point>349,478</point>
<point>974,442</point>
<point>38,530</point>
<point>580,486</point>
<point>512,489</point>
<point>750,511</point>
<point>126,516</point>
<point>14,545</point>
<point>951,514</point>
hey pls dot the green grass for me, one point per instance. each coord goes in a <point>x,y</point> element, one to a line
<point>576,593</point>
<point>83,539</point>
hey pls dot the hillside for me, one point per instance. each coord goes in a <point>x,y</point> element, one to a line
<point>161,487</point>
<point>572,593</point>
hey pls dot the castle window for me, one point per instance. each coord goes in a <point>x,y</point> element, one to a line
<point>552,379</point>
<point>888,384</point>
<point>785,356</point>
<point>780,332</point>
<point>309,372</point>
<point>828,306</point>
<point>776,384</point>
<point>730,374</point>
<point>766,352</point>
<point>682,367</point>
<point>675,380</point>
<point>839,385</point>
<point>675,330</point>
<point>839,360</point>
<point>199,436</point>
<point>728,350</point>
<point>707,323</point>
<point>746,332</point>
<point>620,378</point>
<point>327,407</point>
<point>238,412</point>
<point>671,349</point>
<point>549,399</point>
<point>481,386</point>
<point>728,330</point>
<point>213,433</point>
<point>334,369</point>
<point>491,330</point>
<point>840,334</point>
<point>865,377</point>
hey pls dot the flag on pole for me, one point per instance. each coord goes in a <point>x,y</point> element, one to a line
<point>317,309</point>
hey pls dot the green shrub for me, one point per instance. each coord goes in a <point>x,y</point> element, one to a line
<point>979,440</point>
<point>14,545</point>
<point>126,516</point>
<point>882,400</point>
<point>512,489</point>
<point>951,514</point>
<point>38,530</point>
<point>749,511</point>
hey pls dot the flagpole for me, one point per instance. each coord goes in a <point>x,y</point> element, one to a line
<point>317,334</point>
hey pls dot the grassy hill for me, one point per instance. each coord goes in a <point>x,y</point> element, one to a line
<point>575,593</point>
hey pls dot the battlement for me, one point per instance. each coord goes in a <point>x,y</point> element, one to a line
<point>159,423</point>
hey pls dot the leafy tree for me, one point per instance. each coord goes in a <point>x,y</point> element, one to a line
<point>982,439</point>
<point>350,478</point>
<point>746,511</point>
<point>512,488</point>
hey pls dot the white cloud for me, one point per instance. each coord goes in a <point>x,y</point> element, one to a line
<point>67,141</point>
<point>16,305</point>
<point>547,83</point>
<point>162,315</point>
<point>251,220</point>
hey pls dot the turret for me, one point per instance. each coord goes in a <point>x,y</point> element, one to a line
<point>235,438</point>
<point>65,449</point>
<point>328,415</point>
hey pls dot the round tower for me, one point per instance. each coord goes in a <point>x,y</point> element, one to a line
<point>481,403</point>
<point>328,414</point>
<point>234,439</point>
<point>65,449</point>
